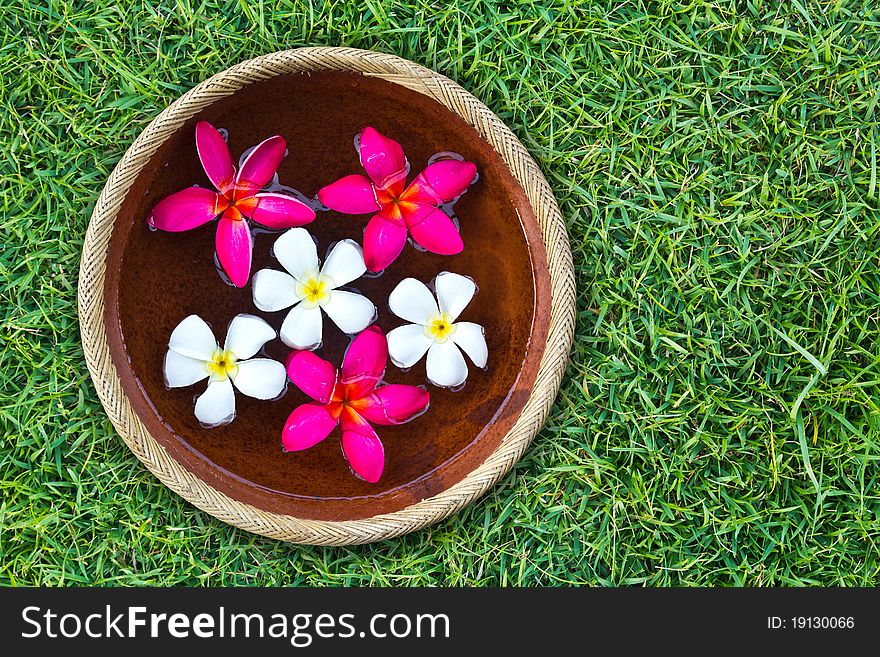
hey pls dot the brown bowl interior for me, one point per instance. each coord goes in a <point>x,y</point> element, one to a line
<point>155,279</point>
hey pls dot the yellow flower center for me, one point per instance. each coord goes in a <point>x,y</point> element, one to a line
<point>440,328</point>
<point>222,365</point>
<point>315,291</point>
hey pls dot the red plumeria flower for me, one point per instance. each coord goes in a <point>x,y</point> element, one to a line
<point>399,208</point>
<point>350,397</point>
<point>238,196</point>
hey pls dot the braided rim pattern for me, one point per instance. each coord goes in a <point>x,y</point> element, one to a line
<point>248,517</point>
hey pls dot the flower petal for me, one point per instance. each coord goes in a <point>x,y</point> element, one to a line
<point>302,328</point>
<point>362,448</point>
<point>364,362</point>
<point>193,338</point>
<point>383,159</point>
<point>274,290</point>
<point>412,300</point>
<point>214,154</point>
<point>276,210</point>
<point>393,404</point>
<point>260,165</point>
<point>260,378</point>
<point>297,253</point>
<point>344,263</point>
<point>383,242</point>
<point>407,344</point>
<point>454,293</point>
<point>216,405</point>
<point>353,194</point>
<point>189,208</point>
<point>441,182</point>
<point>433,230</point>
<point>472,340</point>
<point>246,335</point>
<point>313,375</point>
<point>351,312</point>
<point>308,425</point>
<point>445,365</point>
<point>182,371</point>
<point>234,246</point>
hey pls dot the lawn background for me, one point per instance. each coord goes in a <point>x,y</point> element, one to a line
<point>716,163</point>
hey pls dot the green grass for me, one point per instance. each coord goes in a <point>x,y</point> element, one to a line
<point>716,163</point>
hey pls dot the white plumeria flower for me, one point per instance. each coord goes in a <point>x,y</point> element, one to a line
<point>194,355</point>
<point>435,330</point>
<point>310,289</point>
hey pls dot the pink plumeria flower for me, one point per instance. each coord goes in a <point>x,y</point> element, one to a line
<point>351,398</point>
<point>194,355</point>
<point>310,289</point>
<point>399,208</point>
<point>434,329</point>
<point>237,197</point>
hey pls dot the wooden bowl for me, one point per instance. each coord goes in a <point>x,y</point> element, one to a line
<point>136,285</point>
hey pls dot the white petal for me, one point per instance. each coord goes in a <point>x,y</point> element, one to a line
<point>246,334</point>
<point>260,378</point>
<point>412,300</point>
<point>193,338</point>
<point>297,253</point>
<point>216,405</point>
<point>344,263</point>
<point>446,366</point>
<point>454,293</point>
<point>407,344</point>
<point>351,312</point>
<point>472,340</point>
<point>181,371</point>
<point>302,327</point>
<point>274,290</point>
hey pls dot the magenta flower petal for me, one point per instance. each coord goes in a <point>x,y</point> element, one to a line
<point>260,166</point>
<point>365,361</point>
<point>383,242</point>
<point>352,195</point>
<point>441,182</point>
<point>306,426</point>
<point>214,155</point>
<point>383,159</point>
<point>234,247</point>
<point>275,210</point>
<point>362,447</point>
<point>393,404</point>
<point>186,209</point>
<point>313,375</point>
<point>433,229</point>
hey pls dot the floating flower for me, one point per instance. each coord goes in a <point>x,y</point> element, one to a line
<point>351,398</point>
<point>435,330</point>
<point>310,289</point>
<point>237,197</point>
<point>398,208</point>
<point>194,355</point>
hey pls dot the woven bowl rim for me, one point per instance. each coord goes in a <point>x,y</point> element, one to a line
<point>285,527</point>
